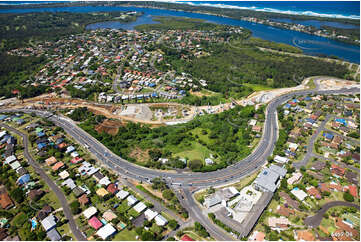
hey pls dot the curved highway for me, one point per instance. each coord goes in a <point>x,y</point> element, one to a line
<point>233,172</point>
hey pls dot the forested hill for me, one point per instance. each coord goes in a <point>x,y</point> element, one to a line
<point>22,29</point>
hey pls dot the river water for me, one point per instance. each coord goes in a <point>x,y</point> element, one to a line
<point>310,44</point>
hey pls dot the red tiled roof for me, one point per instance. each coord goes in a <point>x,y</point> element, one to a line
<point>186,238</point>
<point>95,223</point>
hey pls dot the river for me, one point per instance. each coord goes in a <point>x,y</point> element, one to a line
<point>310,44</point>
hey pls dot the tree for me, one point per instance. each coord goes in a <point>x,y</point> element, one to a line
<point>348,197</point>
<point>155,154</point>
<point>173,224</point>
<point>75,207</point>
<point>168,194</point>
<point>147,236</point>
<point>200,230</point>
<point>18,195</point>
<point>195,164</point>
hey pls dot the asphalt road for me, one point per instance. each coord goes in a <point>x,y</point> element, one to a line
<point>232,173</point>
<point>190,179</point>
<point>64,203</point>
<point>315,221</point>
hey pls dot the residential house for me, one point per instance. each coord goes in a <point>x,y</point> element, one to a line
<point>83,199</point>
<point>257,236</point>
<point>109,215</point>
<point>305,235</point>
<point>78,191</point>
<point>50,161</point>
<point>64,174</point>
<point>95,223</point>
<point>285,211</point>
<point>337,171</point>
<point>112,188</point>
<point>131,200</point>
<point>279,223</point>
<point>5,200</point>
<point>89,212</point>
<point>352,190</point>
<point>299,194</point>
<point>98,176</point>
<point>150,214</point>
<point>139,207</point>
<point>101,192</point>
<point>53,235</point>
<point>122,194</point>
<point>186,238</point>
<point>69,183</point>
<point>313,192</point>
<point>57,166</point>
<point>106,231</point>
<point>49,222</point>
<point>296,177</point>
<point>160,220</point>
<point>44,212</point>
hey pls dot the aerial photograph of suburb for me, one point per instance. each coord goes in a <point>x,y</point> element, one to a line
<point>179,120</point>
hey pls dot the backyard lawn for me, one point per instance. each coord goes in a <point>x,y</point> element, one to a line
<point>125,235</point>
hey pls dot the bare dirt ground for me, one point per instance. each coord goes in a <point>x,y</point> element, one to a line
<point>109,126</point>
<point>335,83</point>
<point>139,154</point>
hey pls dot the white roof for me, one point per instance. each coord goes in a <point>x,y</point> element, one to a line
<point>10,159</point>
<point>160,220</point>
<point>48,222</point>
<point>15,165</point>
<point>280,159</point>
<point>104,181</point>
<point>233,190</point>
<point>252,122</point>
<point>69,183</point>
<point>64,174</point>
<point>106,231</point>
<point>150,214</point>
<point>131,200</point>
<point>90,212</point>
<point>2,133</point>
<point>293,146</point>
<point>301,195</point>
<point>74,154</point>
<point>122,194</point>
<point>140,207</point>
<point>295,177</point>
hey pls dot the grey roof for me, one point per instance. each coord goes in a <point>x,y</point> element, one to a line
<point>53,235</point>
<point>49,222</point>
<point>279,170</point>
<point>267,179</point>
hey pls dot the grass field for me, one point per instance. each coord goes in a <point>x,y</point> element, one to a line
<point>195,151</point>
<point>125,235</point>
<point>257,87</point>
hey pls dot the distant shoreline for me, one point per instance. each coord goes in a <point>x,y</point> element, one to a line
<point>308,14</point>
<point>274,10</point>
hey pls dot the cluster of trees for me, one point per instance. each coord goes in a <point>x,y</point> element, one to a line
<point>228,138</point>
<point>18,29</point>
<point>169,195</point>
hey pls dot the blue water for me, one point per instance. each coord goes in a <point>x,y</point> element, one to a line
<point>338,9</point>
<point>310,44</point>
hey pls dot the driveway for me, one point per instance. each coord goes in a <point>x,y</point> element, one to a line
<point>315,221</point>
